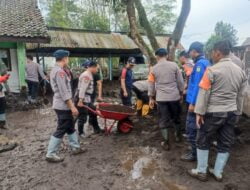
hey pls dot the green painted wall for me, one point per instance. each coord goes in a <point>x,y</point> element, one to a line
<point>21,57</point>
<point>8,45</point>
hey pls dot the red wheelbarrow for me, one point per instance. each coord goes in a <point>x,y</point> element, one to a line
<point>118,113</point>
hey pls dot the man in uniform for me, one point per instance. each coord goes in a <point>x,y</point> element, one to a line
<point>187,65</point>
<point>218,104</point>
<point>166,83</point>
<point>127,82</point>
<point>85,95</point>
<point>201,63</point>
<point>140,88</point>
<point>64,108</point>
<point>32,72</point>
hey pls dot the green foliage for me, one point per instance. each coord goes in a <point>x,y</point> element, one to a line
<point>94,21</point>
<point>222,31</point>
<point>75,14</point>
<point>59,13</point>
<point>160,14</point>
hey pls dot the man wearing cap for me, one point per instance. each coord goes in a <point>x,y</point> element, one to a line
<point>201,63</point>
<point>64,108</point>
<point>166,83</point>
<point>127,82</point>
<point>85,95</point>
<point>218,104</point>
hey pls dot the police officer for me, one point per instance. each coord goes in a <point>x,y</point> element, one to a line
<point>85,93</point>
<point>201,63</point>
<point>166,83</point>
<point>218,104</point>
<point>127,82</point>
<point>64,108</point>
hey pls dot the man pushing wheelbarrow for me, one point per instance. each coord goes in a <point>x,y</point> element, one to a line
<point>86,107</point>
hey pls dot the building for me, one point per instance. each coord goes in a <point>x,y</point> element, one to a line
<point>21,22</point>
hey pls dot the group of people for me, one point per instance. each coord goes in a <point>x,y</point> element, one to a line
<point>214,94</point>
<point>212,90</point>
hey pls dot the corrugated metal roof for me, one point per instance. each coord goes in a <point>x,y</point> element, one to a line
<point>246,42</point>
<point>71,39</point>
<point>21,20</point>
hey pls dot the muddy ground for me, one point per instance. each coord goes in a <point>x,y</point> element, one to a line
<point>112,162</point>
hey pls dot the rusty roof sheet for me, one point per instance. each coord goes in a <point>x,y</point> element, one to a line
<point>21,20</point>
<point>70,38</point>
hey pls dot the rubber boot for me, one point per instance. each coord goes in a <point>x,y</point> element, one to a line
<point>75,145</point>
<point>165,144</point>
<point>139,105</point>
<point>200,172</point>
<point>177,133</point>
<point>81,128</point>
<point>53,147</point>
<point>145,110</point>
<point>220,163</point>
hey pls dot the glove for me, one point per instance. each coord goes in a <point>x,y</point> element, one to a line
<point>4,78</point>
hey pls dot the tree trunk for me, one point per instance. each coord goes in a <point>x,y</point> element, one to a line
<point>146,25</point>
<point>134,33</point>
<point>179,27</point>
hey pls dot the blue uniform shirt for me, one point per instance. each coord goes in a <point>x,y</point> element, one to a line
<point>127,74</point>
<point>201,64</point>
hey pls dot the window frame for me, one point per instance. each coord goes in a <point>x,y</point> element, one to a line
<point>9,66</point>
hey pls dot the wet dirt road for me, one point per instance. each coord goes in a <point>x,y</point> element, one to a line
<point>117,162</point>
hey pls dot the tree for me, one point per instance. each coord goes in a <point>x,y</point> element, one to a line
<point>146,24</point>
<point>160,14</point>
<point>179,27</point>
<point>222,31</point>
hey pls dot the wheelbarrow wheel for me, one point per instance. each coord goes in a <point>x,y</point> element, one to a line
<point>125,126</point>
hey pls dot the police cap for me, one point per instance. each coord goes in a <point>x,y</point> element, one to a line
<point>161,52</point>
<point>197,46</point>
<point>59,54</point>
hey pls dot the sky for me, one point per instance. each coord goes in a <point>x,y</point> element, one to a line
<point>206,13</point>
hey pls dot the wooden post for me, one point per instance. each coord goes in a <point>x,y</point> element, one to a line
<point>21,57</point>
<point>110,68</point>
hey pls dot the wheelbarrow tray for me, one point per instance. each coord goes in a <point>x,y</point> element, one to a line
<point>115,115</point>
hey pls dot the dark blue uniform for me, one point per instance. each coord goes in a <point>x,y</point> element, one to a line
<point>127,74</point>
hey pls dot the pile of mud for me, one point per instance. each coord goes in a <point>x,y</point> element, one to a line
<point>117,108</point>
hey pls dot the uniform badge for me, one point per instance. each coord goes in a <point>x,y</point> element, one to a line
<point>198,69</point>
<point>62,73</point>
<point>86,79</point>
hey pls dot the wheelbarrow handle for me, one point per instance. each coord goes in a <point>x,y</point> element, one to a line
<point>92,110</point>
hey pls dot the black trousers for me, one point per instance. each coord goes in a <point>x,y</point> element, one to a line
<point>220,127</point>
<point>141,95</point>
<point>127,101</point>
<point>65,123</point>
<point>169,111</point>
<point>82,118</point>
<point>32,89</point>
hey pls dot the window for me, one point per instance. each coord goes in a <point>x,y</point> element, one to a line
<point>5,58</point>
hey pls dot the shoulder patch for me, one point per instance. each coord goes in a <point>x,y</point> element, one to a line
<point>205,81</point>
<point>62,74</point>
<point>198,69</point>
<point>86,79</point>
